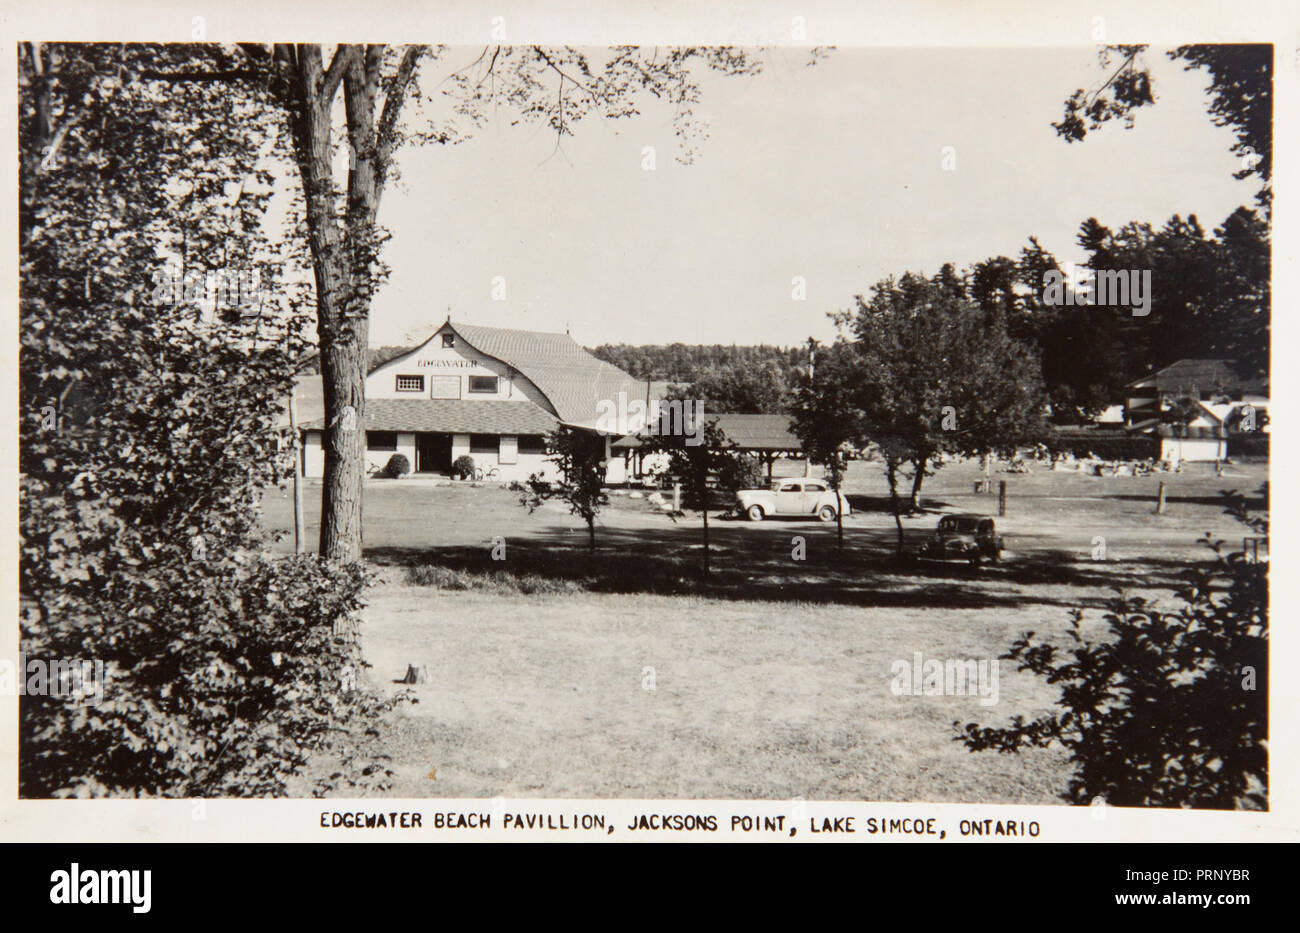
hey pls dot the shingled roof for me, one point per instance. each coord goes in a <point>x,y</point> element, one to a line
<point>451,416</point>
<point>572,379</point>
<point>758,432</point>
<point>1200,376</point>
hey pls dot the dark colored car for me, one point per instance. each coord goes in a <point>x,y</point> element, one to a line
<point>964,537</point>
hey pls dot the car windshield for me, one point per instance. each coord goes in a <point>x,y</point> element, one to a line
<point>965,526</point>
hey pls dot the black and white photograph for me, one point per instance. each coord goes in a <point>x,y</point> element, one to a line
<point>502,434</point>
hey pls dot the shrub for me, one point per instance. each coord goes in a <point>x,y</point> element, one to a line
<point>579,457</point>
<point>745,472</point>
<point>498,582</point>
<point>224,676</point>
<point>398,466</point>
<point>1171,709</point>
<point>226,672</point>
<point>463,466</point>
<point>1106,445</point>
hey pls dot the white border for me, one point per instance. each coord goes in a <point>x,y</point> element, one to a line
<point>846,23</point>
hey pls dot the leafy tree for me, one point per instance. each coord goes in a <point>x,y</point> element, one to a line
<point>714,457</point>
<point>827,416</point>
<point>147,435</point>
<point>1170,708</point>
<point>580,457</point>
<point>1240,98</point>
<point>1227,293</point>
<point>937,375</point>
<point>726,378</point>
<point>553,87</point>
<point>756,388</point>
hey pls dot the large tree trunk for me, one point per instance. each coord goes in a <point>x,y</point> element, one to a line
<point>343,372</point>
<point>343,255</point>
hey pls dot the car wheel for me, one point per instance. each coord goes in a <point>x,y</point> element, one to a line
<point>826,513</point>
<point>755,513</point>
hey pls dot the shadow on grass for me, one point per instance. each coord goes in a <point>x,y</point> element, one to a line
<point>762,566</point>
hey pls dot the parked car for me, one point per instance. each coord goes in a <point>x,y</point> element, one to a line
<point>964,537</point>
<point>799,497</point>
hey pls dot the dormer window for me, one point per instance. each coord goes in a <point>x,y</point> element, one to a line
<point>410,383</point>
<point>449,340</point>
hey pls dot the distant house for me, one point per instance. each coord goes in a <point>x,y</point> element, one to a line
<point>484,392</point>
<point>1206,380</point>
<point>1222,402</point>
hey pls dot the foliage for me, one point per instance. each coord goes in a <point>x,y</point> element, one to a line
<point>1209,299</point>
<point>715,458</point>
<point>553,87</point>
<point>225,675</point>
<point>1240,92</point>
<point>147,432</point>
<point>1116,445</point>
<point>463,466</point>
<point>1171,707</point>
<point>397,466</point>
<point>749,379</point>
<point>745,473</point>
<point>828,417</point>
<point>935,374</point>
<point>580,457</point>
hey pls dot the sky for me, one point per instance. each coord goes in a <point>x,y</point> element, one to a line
<point>834,173</point>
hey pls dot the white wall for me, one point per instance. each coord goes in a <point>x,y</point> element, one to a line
<point>1194,449</point>
<point>460,362</point>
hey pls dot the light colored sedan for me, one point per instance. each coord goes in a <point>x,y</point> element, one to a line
<point>803,498</point>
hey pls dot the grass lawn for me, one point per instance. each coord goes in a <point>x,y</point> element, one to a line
<point>772,678</point>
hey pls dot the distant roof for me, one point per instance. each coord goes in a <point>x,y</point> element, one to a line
<point>758,432</point>
<point>1201,376</point>
<point>573,380</point>
<point>451,416</point>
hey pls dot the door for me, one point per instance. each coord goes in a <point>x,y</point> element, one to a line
<point>814,494</point>
<point>433,453</point>
<point>789,498</point>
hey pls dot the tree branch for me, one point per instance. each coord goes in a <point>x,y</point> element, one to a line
<point>344,56</point>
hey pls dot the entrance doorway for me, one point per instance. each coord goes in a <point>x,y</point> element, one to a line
<point>433,453</point>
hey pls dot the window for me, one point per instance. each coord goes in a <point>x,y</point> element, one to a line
<point>445,386</point>
<point>483,443</point>
<point>532,444</point>
<point>813,487</point>
<point>410,383</point>
<point>790,487</point>
<point>449,340</point>
<point>483,383</point>
<point>381,440</point>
